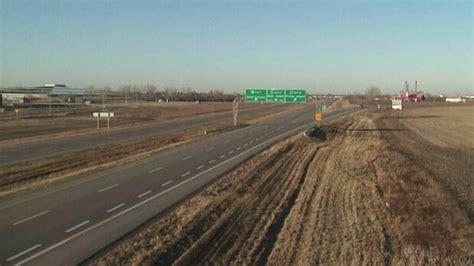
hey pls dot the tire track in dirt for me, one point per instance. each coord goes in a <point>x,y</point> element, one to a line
<point>348,200</point>
<point>335,216</point>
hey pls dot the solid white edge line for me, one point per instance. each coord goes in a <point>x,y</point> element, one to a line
<point>116,207</point>
<point>113,217</point>
<point>76,226</point>
<point>31,217</point>
<point>144,193</point>
<point>24,252</point>
<point>156,169</point>
<point>107,188</point>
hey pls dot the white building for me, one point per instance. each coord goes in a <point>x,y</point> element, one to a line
<point>455,100</point>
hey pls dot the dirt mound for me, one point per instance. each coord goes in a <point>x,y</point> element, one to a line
<point>340,104</point>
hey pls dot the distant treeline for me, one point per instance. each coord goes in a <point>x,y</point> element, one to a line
<point>152,93</point>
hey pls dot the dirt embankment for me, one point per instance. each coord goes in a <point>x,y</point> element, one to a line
<point>350,199</point>
<point>340,104</point>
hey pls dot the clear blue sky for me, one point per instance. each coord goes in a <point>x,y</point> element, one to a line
<point>320,46</point>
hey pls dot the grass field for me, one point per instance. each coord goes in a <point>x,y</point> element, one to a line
<point>352,199</point>
<point>439,139</point>
<point>446,127</point>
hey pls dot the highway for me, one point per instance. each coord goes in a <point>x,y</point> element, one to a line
<point>11,154</point>
<point>69,223</point>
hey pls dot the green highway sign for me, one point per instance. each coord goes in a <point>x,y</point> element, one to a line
<point>295,96</point>
<point>255,95</point>
<point>276,96</point>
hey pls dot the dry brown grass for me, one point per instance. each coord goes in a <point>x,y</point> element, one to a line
<point>34,123</point>
<point>451,126</point>
<point>339,104</point>
<point>437,139</point>
<point>349,200</point>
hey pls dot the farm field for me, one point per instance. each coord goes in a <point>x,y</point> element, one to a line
<point>347,197</point>
<point>438,138</point>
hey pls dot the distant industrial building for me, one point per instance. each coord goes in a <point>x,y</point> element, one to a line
<point>61,89</point>
<point>455,100</point>
<point>35,94</point>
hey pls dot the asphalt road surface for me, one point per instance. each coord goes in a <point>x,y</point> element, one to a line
<point>22,152</point>
<point>73,221</point>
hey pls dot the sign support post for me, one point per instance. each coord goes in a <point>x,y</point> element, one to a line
<point>103,114</point>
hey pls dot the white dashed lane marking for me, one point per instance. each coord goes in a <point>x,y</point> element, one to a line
<point>144,194</point>
<point>76,226</point>
<point>24,252</point>
<point>107,188</point>
<point>116,207</point>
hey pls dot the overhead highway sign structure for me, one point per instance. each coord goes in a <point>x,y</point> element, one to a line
<point>295,96</point>
<point>255,95</point>
<point>275,95</point>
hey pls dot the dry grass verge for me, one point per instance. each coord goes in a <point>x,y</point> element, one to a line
<point>349,200</point>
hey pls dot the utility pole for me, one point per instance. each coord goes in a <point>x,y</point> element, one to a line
<point>235,110</point>
<point>49,100</point>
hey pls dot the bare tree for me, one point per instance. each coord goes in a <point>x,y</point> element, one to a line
<point>373,92</point>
